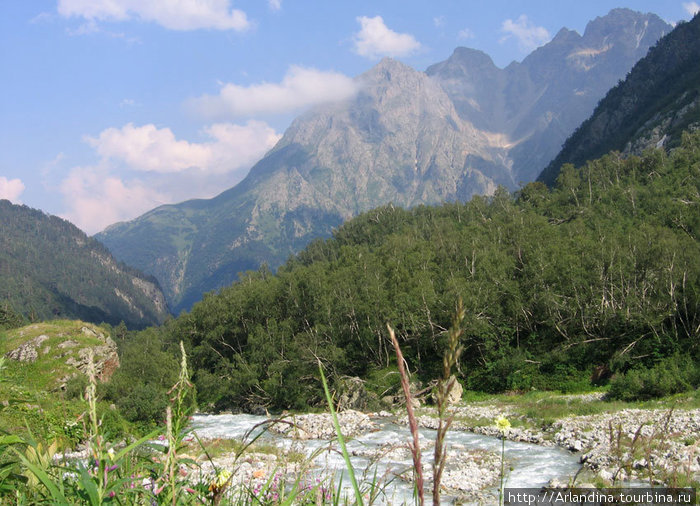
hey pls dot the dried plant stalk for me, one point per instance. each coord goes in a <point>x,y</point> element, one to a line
<point>412,423</point>
<point>443,390</point>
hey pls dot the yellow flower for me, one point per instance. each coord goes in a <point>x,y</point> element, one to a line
<point>110,453</point>
<point>220,481</point>
<point>503,424</point>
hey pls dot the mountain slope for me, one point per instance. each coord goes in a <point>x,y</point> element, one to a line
<point>407,137</point>
<point>398,141</point>
<point>50,269</point>
<point>601,270</point>
<point>657,101</point>
<point>537,103</point>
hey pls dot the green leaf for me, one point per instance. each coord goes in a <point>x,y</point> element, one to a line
<point>89,485</point>
<point>45,479</point>
<point>133,445</point>
<point>341,439</point>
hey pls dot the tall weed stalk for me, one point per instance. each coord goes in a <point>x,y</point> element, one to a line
<point>444,388</point>
<point>341,439</point>
<point>414,446</point>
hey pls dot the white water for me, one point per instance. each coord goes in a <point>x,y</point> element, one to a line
<point>531,465</point>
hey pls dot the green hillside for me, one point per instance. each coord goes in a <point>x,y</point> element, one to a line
<point>51,269</point>
<point>38,362</point>
<point>603,271</point>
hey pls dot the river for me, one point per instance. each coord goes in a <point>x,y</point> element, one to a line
<point>528,465</point>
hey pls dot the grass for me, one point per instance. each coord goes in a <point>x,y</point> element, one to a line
<point>540,409</point>
<point>45,374</point>
<point>31,390</point>
<point>147,474</point>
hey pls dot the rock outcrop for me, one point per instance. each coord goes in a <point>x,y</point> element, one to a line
<point>66,348</point>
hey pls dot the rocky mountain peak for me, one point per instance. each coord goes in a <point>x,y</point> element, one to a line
<point>625,28</point>
<point>461,128</point>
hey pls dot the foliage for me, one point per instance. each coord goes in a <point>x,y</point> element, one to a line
<point>670,376</point>
<point>51,269</point>
<point>601,270</point>
<point>9,319</point>
<point>139,388</point>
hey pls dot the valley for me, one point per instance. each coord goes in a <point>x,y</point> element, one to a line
<point>415,266</point>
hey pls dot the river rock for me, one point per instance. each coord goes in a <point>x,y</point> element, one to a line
<point>320,426</point>
<point>455,394</point>
<point>354,395</point>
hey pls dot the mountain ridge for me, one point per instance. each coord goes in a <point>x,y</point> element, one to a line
<point>50,269</point>
<point>402,139</point>
<point>659,98</point>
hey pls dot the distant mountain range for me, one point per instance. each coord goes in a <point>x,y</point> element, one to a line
<point>459,129</point>
<point>657,102</point>
<point>50,269</point>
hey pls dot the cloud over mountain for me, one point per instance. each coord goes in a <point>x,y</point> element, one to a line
<point>525,32</point>
<point>11,189</point>
<point>375,40</point>
<point>135,160</point>
<point>150,149</point>
<point>301,87</point>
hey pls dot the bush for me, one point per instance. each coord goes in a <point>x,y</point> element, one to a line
<point>669,376</point>
<point>75,387</point>
<point>144,403</point>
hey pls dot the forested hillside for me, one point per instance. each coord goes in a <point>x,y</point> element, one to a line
<point>50,269</point>
<point>603,270</point>
<point>459,129</point>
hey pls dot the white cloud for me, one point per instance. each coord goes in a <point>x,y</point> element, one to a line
<point>96,199</point>
<point>466,34</point>
<point>439,21</point>
<point>375,39</point>
<point>301,87</point>
<point>150,149</point>
<point>692,8</point>
<point>171,14</point>
<point>274,5</point>
<point>525,32</point>
<point>11,189</point>
<point>142,167</point>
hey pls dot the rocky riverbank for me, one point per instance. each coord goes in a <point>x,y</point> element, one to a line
<point>631,444</point>
<point>468,472</point>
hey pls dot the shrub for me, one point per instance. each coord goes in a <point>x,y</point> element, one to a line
<point>75,387</point>
<point>669,376</point>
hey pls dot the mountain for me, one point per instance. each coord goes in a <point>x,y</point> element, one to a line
<point>659,99</point>
<point>534,105</point>
<point>50,269</point>
<point>600,271</point>
<point>460,129</point>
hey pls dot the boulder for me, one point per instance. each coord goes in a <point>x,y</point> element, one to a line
<point>354,395</point>
<point>454,395</point>
<point>28,351</point>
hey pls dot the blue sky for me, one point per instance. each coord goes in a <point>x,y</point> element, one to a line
<point>112,107</point>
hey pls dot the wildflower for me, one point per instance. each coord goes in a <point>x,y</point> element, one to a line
<point>220,481</point>
<point>502,424</point>
<point>110,453</point>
